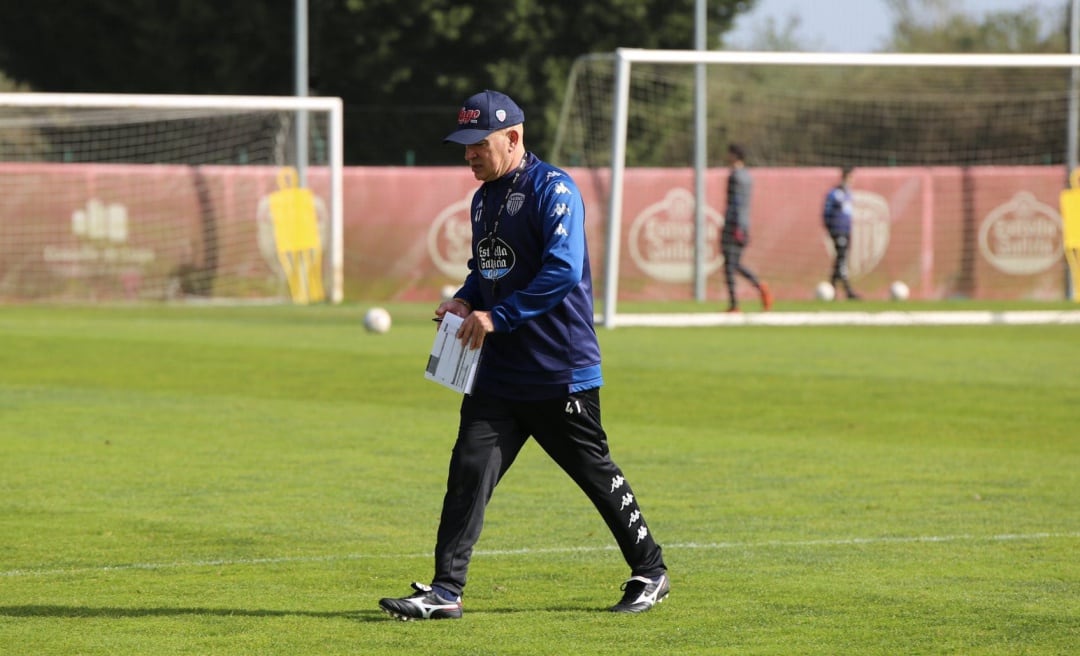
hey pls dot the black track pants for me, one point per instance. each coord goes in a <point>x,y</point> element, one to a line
<point>490,436</point>
<point>733,265</point>
<point>841,242</point>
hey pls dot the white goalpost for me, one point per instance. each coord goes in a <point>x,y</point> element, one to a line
<point>114,197</point>
<point>959,161</point>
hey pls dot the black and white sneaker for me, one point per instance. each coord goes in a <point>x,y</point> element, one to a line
<point>424,604</point>
<point>640,594</point>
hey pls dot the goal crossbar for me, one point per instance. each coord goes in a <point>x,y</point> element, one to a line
<point>176,101</point>
<point>953,60</point>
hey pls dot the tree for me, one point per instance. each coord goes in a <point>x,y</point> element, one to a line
<point>135,46</point>
<point>942,26</point>
<point>405,65</point>
<point>401,66</point>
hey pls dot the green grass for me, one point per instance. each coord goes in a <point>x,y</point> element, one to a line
<point>253,480</point>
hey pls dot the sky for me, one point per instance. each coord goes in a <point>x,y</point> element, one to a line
<point>850,25</point>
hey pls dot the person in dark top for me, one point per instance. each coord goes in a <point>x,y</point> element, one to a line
<point>838,213</point>
<point>735,235</point>
<point>527,301</point>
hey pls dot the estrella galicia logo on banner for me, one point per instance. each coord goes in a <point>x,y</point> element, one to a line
<point>1022,236</point>
<point>662,238</point>
<point>449,239</point>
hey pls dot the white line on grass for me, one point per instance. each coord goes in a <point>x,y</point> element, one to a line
<point>1006,537</point>
<point>885,318</point>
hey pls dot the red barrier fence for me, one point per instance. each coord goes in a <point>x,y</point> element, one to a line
<point>981,232</point>
<point>987,232</point>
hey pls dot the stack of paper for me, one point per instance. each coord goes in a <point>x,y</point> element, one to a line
<point>450,363</point>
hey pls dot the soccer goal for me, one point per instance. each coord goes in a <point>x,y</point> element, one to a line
<point>107,197</point>
<point>959,161</point>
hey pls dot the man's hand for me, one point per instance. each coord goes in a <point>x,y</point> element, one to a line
<point>475,328</point>
<point>739,235</point>
<point>453,306</point>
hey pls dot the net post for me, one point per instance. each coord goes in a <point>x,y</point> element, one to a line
<point>618,170</point>
<point>337,201</point>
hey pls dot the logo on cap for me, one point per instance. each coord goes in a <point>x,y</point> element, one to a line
<point>482,114</point>
<point>467,115</point>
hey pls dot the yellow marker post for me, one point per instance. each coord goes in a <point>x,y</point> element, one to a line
<point>296,236</point>
<point>1070,229</point>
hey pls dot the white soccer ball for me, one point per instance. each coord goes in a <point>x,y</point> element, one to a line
<point>377,320</point>
<point>898,291</point>
<point>825,291</point>
<point>448,292</point>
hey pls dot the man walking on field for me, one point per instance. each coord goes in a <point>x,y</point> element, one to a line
<point>527,300</point>
<point>736,232</point>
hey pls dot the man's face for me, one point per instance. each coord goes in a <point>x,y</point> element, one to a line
<point>492,158</point>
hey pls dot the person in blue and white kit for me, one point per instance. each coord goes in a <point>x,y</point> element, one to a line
<point>527,301</point>
<point>838,213</point>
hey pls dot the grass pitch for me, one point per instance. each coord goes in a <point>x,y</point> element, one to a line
<point>253,480</point>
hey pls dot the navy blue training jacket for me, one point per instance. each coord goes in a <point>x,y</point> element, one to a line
<point>839,207</point>
<point>534,278</point>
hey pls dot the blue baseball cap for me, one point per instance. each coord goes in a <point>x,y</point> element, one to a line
<point>483,114</point>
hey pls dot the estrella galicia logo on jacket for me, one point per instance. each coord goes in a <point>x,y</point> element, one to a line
<point>495,258</point>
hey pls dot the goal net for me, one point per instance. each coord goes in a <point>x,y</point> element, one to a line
<point>959,161</point>
<point>109,198</point>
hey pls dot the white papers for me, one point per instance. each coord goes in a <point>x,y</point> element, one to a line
<point>450,363</point>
